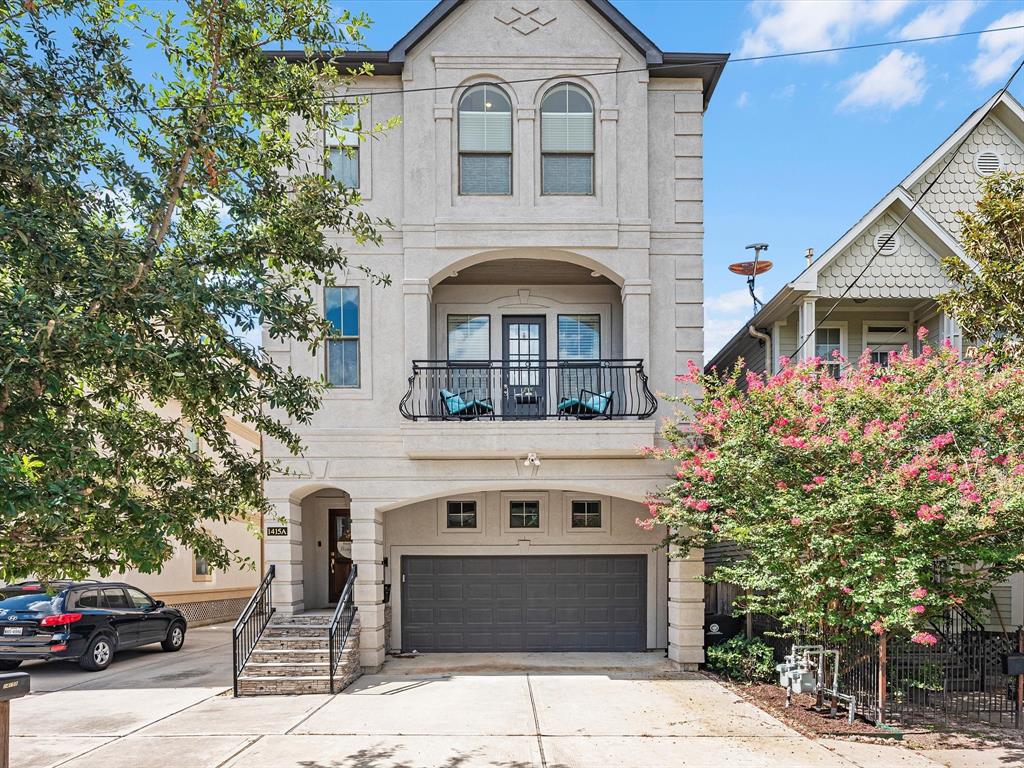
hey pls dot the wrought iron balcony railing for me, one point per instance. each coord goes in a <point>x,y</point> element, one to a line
<point>450,390</point>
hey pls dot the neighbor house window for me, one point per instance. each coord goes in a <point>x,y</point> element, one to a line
<point>485,142</point>
<point>524,514</point>
<point>827,344</point>
<point>883,339</point>
<point>341,307</point>
<point>567,141</point>
<point>201,570</point>
<point>461,514</point>
<point>343,151</point>
<point>585,513</point>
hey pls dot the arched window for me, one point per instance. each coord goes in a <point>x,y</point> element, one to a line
<point>485,142</point>
<point>567,141</point>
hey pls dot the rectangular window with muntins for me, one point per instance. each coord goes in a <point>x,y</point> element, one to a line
<point>524,514</point>
<point>343,151</point>
<point>828,342</point>
<point>461,514</point>
<point>341,307</point>
<point>586,513</point>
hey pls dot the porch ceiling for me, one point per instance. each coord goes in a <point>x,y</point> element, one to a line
<point>526,271</point>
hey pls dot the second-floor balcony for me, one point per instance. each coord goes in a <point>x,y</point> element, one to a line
<point>528,389</point>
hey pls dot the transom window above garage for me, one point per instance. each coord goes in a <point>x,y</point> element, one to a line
<point>523,514</point>
<point>461,514</point>
<point>585,513</point>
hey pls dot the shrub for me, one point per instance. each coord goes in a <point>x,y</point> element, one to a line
<point>742,660</point>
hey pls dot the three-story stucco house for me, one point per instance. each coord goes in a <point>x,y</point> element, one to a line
<point>895,294</point>
<point>476,453</point>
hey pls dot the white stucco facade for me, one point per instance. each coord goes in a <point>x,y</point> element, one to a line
<point>630,255</point>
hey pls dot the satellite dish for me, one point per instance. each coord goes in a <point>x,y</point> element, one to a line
<point>750,268</point>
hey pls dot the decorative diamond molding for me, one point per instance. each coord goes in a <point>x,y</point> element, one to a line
<point>525,17</point>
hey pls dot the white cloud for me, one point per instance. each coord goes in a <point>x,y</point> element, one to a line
<point>785,93</point>
<point>999,51</point>
<point>895,81</point>
<point>941,19</point>
<point>742,100</point>
<point>784,26</point>
<point>724,314</point>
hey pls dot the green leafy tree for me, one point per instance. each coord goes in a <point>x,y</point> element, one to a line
<point>145,227</point>
<point>989,299</point>
<point>868,504</point>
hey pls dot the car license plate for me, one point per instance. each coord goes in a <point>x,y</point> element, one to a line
<point>13,631</point>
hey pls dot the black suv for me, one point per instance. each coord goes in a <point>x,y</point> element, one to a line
<point>83,621</point>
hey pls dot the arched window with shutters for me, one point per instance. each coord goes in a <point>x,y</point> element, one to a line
<point>485,142</point>
<point>567,141</point>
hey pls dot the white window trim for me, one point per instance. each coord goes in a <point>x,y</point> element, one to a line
<point>365,389</point>
<point>844,336</point>
<point>198,578</point>
<point>606,513</point>
<point>541,497</point>
<point>909,340</point>
<point>481,514</point>
<point>365,187</point>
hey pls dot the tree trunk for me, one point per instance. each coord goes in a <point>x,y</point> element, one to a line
<point>883,647</point>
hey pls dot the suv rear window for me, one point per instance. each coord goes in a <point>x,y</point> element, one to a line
<point>33,602</point>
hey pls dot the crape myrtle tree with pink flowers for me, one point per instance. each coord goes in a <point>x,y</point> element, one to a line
<point>865,504</point>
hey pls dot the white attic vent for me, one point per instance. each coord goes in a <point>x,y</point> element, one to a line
<point>886,242</point>
<point>987,163</point>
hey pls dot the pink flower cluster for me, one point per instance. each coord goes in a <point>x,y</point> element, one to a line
<point>929,513</point>
<point>924,638</point>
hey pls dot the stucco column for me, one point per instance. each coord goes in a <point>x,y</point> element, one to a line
<point>636,321</point>
<point>368,555</point>
<point>416,300</point>
<point>686,607</point>
<point>806,320</point>
<point>285,554</point>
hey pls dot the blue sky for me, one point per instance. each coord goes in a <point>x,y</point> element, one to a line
<point>798,150</point>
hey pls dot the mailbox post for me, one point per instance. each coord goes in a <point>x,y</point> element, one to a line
<point>12,686</point>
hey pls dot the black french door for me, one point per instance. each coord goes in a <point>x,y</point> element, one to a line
<point>524,381</point>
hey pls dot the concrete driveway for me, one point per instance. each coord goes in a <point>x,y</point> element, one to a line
<point>153,709</point>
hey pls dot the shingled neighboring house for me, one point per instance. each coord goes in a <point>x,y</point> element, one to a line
<point>896,295</point>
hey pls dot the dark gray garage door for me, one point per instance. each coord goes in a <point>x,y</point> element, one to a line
<point>539,603</point>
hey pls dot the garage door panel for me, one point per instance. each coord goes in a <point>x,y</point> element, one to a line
<point>516,603</point>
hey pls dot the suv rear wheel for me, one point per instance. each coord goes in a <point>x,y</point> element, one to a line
<point>175,638</point>
<point>98,655</point>
<point>7,666</point>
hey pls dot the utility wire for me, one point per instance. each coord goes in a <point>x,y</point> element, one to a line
<point>327,99</point>
<point>952,156</point>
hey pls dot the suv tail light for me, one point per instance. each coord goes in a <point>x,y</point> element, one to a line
<point>60,618</point>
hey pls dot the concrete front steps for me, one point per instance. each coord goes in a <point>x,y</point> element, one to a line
<point>293,657</point>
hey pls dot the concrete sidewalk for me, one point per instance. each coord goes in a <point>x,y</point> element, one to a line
<point>153,710</point>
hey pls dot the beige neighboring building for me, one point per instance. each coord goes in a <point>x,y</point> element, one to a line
<point>476,454</point>
<point>203,594</point>
<point>898,292</point>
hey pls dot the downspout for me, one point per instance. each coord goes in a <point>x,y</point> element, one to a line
<point>765,339</point>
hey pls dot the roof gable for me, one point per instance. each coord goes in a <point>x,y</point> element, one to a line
<point>651,53</point>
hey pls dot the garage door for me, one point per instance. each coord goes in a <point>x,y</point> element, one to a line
<point>539,603</point>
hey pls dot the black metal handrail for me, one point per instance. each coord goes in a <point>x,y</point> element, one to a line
<point>483,390</point>
<point>250,625</point>
<point>341,624</point>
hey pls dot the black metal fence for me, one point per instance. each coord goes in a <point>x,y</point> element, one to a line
<point>528,390</point>
<point>958,678</point>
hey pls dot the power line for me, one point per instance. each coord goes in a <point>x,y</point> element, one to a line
<point>326,99</point>
<point>952,156</point>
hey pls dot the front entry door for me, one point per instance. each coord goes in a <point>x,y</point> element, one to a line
<point>524,375</point>
<point>339,536</point>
